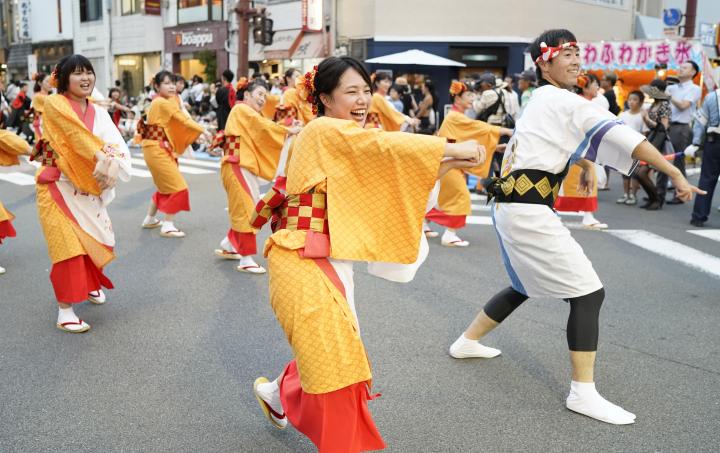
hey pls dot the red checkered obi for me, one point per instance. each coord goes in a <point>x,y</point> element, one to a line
<point>44,154</point>
<point>305,211</point>
<point>151,131</point>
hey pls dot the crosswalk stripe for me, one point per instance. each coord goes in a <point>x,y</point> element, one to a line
<point>21,179</point>
<point>140,173</point>
<point>670,249</point>
<point>183,168</point>
<point>199,163</point>
<point>710,234</point>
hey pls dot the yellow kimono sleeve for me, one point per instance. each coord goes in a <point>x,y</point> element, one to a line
<point>180,129</point>
<point>38,102</point>
<point>261,140</point>
<point>271,103</point>
<point>459,127</point>
<point>378,185</point>
<point>302,108</point>
<point>11,146</point>
<point>390,119</point>
<point>73,142</point>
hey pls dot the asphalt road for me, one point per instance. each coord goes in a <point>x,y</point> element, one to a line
<point>169,363</point>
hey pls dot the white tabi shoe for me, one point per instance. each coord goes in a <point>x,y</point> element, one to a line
<point>429,233</point>
<point>262,388</point>
<point>96,297</point>
<point>584,399</point>
<point>464,348</point>
<point>450,239</point>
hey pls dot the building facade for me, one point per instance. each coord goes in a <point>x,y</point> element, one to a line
<point>485,36</point>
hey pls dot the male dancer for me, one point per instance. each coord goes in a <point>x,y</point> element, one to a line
<point>557,129</point>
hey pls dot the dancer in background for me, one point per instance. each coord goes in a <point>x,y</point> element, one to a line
<point>454,205</point>
<point>82,156</point>
<point>42,89</point>
<point>328,220</point>
<point>571,199</point>
<point>252,145</point>
<point>11,146</point>
<point>166,133</point>
<point>382,114</point>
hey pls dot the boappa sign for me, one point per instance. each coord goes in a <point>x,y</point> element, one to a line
<point>193,39</point>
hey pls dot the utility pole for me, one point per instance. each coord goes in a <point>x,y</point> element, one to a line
<point>245,12</point>
<point>690,18</point>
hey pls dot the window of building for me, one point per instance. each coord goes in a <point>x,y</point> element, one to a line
<point>199,10</point>
<point>128,7</point>
<point>90,10</point>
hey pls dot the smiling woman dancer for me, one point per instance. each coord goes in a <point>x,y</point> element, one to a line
<point>166,134</point>
<point>42,89</point>
<point>558,128</point>
<point>454,205</point>
<point>82,155</point>
<point>252,145</point>
<point>11,146</point>
<point>381,113</point>
<point>354,194</point>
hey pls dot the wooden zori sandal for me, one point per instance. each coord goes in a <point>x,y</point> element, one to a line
<point>227,255</point>
<point>84,327</point>
<point>271,415</point>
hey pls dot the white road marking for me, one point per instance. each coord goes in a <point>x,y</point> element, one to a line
<point>710,234</point>
<point>670,249</point>
<point>21,179</point>
<point>140,173</point>
<point>183,168</point>
<point>199,163</point>
<point>692,171</point>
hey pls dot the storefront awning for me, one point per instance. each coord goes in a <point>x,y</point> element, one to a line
<point>284,44</point>
<point>288,44</point>
<point>18,55</point>
<point>312,45</point>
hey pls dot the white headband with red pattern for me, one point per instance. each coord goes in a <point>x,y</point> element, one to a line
<point>548,53</point>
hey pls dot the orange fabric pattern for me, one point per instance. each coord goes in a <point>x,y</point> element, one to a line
<point>460,128</point>
<point>390,119</point>
<point>65,238</point>
<point>302,108</point>
<point>454,196</point>
<point>377,185</point>
<point>73,142</point>
<point>179,128</point>
<point>271,103</point>
<point>11,146</point>
<point>261,140</point>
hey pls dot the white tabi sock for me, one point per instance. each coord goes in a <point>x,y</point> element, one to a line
<point>585,399</point>
<point>67,315</point>
<point>168,226</point>
<point>227,245</point>
<point>589,218</point>
<point>247,261</point>
<point>464,348</point>
<point>149,220</point>
<point>450,236</point>
<point>270,393</point>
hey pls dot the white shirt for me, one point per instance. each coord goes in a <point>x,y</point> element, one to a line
<point>602,101</point>
<point>558,126</point>
<point>686,91</point>
<point>633,120</point>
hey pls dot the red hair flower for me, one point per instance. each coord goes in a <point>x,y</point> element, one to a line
<point>457,88</point>
<point>305,86</point>
<point>242,83</point>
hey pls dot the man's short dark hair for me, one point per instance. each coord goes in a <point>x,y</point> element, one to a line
<point>228,75</point>
<point>611,77</point>
<point>552,38</point>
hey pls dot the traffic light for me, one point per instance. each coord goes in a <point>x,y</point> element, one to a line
<point>262,30</point>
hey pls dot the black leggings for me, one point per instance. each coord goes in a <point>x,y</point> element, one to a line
<point>582,325</point>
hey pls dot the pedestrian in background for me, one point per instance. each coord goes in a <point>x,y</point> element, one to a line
<point>684,97</point>
<point>633,118</point>
<point>657,119</point>
<point>707,127</point>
